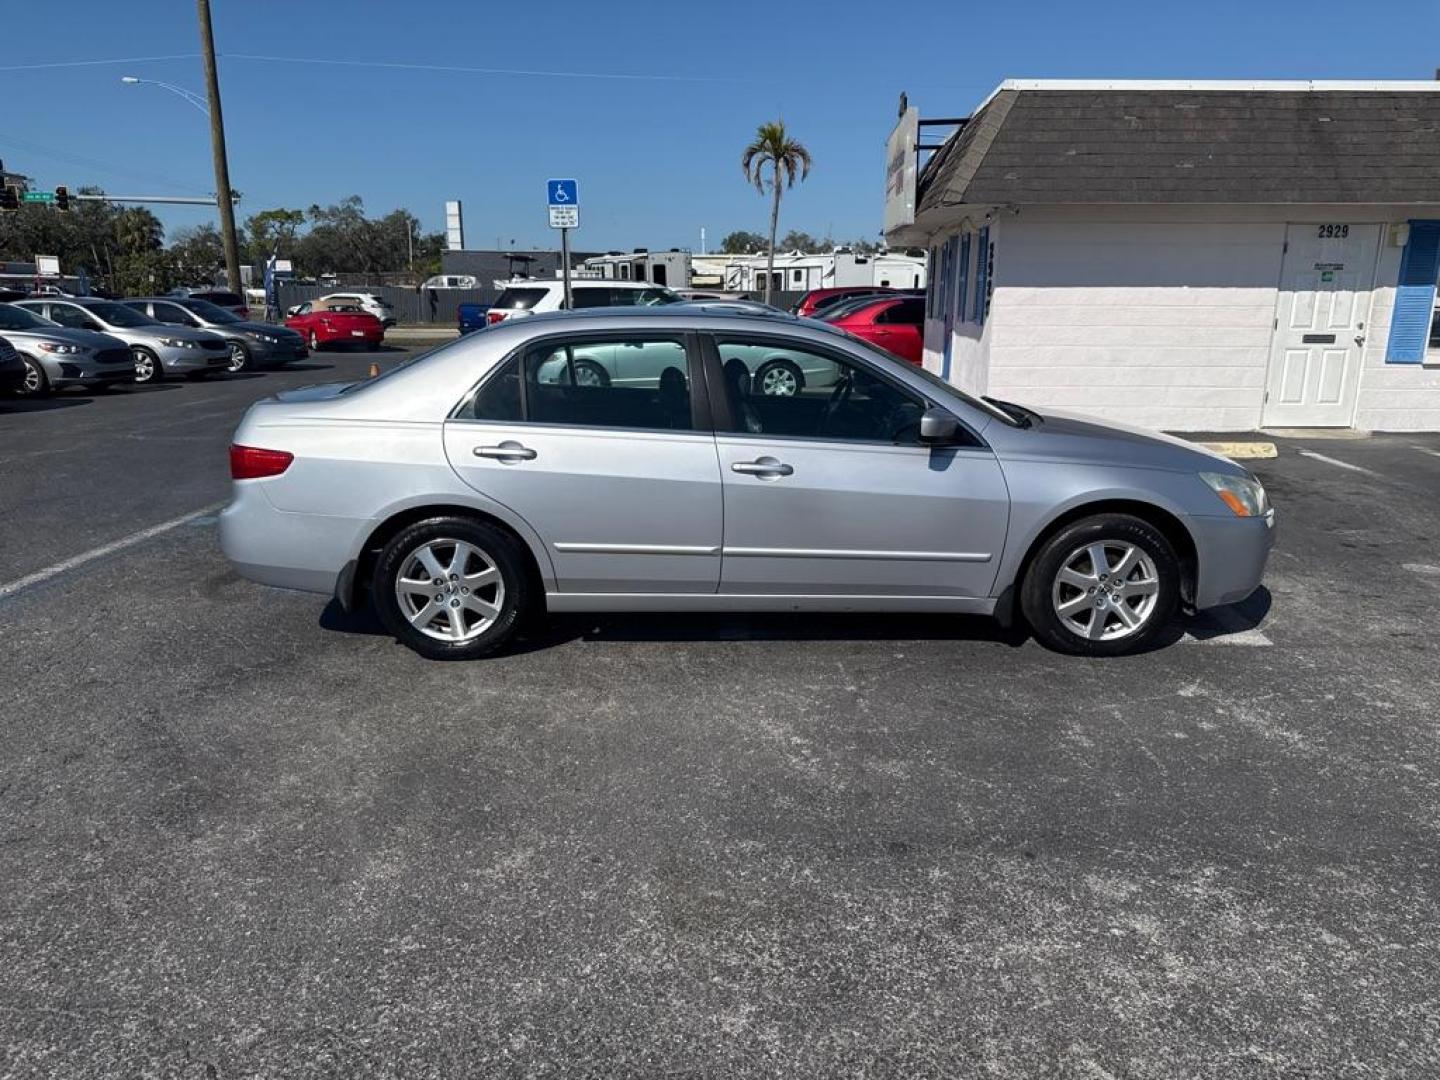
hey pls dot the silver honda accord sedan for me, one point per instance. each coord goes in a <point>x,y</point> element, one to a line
<point>459,490</point>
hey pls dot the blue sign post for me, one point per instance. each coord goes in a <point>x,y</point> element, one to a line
<point>563,199</point>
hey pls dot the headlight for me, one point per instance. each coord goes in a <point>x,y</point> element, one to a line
<point>268,339</point>
<point>62,349</point>
<point>179,343</point>
<point>1244,495</point>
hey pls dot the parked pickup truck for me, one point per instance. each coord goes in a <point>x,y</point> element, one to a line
<point>471,317</point>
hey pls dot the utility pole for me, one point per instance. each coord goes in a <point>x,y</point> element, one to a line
<point>217,149</point>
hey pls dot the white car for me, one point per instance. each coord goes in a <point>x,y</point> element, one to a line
<point>535,297</point>
<point>369,303</point>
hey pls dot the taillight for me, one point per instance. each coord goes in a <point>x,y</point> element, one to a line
<point>253,463</point>
<point>492,317</point>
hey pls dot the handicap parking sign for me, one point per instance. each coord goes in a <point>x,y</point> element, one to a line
<point>562,192</point>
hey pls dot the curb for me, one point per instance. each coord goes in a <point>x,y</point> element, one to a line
<point>1241,451</point>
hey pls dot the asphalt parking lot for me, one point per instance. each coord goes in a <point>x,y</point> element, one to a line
<point>243,835</point>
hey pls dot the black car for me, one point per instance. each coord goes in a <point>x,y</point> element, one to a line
<point>12,369</point>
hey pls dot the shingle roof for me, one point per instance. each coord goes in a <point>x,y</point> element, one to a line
<point>1149,145</point>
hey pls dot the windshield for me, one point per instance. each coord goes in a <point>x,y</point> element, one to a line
<point>119,315</point>
<point>17,318</point>
<point>211,313</point>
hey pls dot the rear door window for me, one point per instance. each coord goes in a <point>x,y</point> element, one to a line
<point>520,299</point>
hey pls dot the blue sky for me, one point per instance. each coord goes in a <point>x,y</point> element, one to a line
<point>657,157</point>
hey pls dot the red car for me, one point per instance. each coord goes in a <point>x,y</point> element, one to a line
<point>333,326</point>
<point>896,324</point>
<point>814,302</point>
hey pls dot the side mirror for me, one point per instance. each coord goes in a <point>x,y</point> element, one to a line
<point>938,426</point>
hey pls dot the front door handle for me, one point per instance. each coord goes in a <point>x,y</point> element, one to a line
<point>1359,339</point>
<point>767,468</point>
<point>508,451</point>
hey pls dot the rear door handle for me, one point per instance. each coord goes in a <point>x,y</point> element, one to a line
<point>507,451</point>
<point>767,468</point>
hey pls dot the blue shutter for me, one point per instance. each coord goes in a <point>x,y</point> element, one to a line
<point>1415,295</point>
<point>982,274</point>
<point>964,277</point>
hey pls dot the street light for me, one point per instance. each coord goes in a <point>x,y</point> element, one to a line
<point>189,95</point>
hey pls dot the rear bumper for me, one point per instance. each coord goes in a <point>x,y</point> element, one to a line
<point>291,551</point>
<point>1232,556</point>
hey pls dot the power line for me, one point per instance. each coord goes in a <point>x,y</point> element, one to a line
<point>91,163</point>
<point>93,63</point>
<point>397,65</point>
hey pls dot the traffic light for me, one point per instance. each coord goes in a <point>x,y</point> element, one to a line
<point>9,199</point>
<point>62,198</point>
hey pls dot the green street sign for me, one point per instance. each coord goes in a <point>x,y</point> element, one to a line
<point>38,196</point>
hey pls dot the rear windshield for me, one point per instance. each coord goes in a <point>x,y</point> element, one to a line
<point>520,299</point>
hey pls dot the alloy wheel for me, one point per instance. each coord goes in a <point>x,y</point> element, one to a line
<point>1106,591</point>
<point>237,357</point>
<point>144,365</point>
<point>450,590</point>
<point>34,378</point>
<point>779,381</point>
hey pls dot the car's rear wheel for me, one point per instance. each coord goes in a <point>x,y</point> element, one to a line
<point>239,357</point>
<point>451,588</point>
<point>35,383</point>
<point>779,378</point>
<point>148,368</point>
<point>1102,586</point>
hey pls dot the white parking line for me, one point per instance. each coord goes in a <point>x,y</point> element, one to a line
<point>1426,450</point>
<point>1337,462</point>
<point>49,572</point>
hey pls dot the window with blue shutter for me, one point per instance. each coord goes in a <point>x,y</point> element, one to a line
<point>1415,295</point>
<point>982,275</point>
<point>959,298</point>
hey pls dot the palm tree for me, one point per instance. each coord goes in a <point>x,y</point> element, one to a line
<point>785,156</point>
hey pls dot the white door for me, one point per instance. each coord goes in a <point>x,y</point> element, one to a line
<point>1321,320</point>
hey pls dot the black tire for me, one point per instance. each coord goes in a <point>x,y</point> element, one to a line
<point>239,357</point>
<point>1041,592</point>
<point>773,375</point>
<point>372,346</point>
<point>148,368</point>
<point>314,342</point>
<point>500,548</point>
<point>596,374</point>
<point>36,383</point>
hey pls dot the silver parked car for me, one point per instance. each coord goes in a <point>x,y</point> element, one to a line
<point>156,350</point>
<point>472,483</point>
<point>250,343</point>
<point>56,357</point>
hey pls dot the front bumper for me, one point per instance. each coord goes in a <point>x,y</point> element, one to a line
<point>287,550</point>
<point>88,369</point>
<point>280,353</point>
<point>1232,553</point>
<point>191,360</point>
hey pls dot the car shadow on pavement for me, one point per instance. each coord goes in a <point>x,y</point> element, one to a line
<point>302,367</point>
<point>29,405</point>
<point>150,388</point>
<point>550,631</point>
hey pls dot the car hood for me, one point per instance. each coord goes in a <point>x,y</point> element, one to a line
<point>90,339</point>
<point>248,327</point>
<point>1074,437</point>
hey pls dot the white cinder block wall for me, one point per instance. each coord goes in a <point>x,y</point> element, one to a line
<point>1166,325</point>
<point>1394,397</point>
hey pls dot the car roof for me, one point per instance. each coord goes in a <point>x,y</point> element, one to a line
<point>583,283</point>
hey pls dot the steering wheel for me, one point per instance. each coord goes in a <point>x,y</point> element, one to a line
<point>838,399</point>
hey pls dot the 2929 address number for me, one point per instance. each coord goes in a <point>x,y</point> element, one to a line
<point>1333,232</point>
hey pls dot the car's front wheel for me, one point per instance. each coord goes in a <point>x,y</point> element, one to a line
<point>451,588</point>
<point>239,357</point>
<point>148,368</point>
<point>35,383</point>
<point>1102,586</point>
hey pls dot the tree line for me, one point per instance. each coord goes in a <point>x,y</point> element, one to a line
<point>125,249</point>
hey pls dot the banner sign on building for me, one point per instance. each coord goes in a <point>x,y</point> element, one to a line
<point>900,170</point>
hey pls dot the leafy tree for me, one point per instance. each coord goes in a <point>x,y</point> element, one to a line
<point>136,230</point>
<point>198,254</point>
<point>803,241</point>
<point>741,242</point>
<point>273,232</point>
<point>788,159</point>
